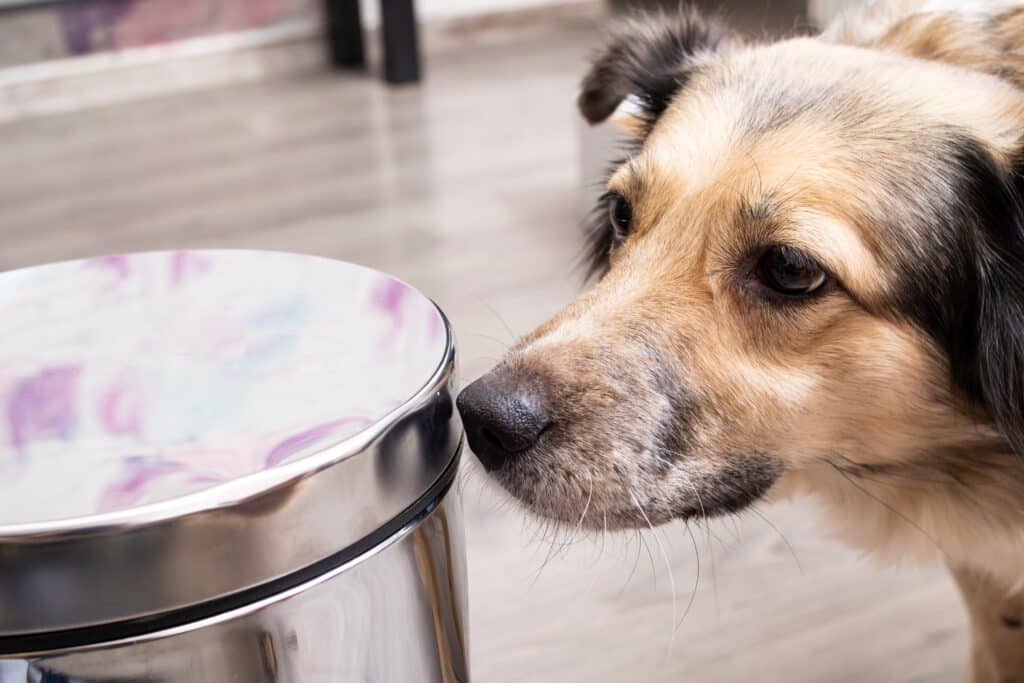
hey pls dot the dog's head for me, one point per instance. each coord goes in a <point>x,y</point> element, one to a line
<point>812,255</point>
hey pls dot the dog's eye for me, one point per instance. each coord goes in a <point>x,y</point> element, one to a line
<point>620,215</point>
<point>789,271</point>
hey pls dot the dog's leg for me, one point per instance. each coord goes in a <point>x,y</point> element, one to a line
<point>997,633</point>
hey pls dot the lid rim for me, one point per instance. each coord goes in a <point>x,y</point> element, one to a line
<point>246,600</point>
<point>248,486</point>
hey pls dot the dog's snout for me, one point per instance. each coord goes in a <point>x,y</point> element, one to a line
<point>501,418</point>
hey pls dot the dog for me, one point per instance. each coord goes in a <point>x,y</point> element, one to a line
<point>810,279</point>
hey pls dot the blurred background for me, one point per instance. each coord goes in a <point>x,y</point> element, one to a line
<point>439,142</point>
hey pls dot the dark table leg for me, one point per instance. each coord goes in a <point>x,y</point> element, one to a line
<point>344,33</point>
<point>401,51</point>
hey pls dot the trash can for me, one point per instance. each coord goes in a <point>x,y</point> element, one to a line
<point>227,466</point>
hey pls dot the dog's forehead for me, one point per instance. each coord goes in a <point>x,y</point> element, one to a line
<point>809,99</point>
<point>850,133</point>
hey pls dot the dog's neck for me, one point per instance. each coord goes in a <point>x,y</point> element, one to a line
<point>958,504</point>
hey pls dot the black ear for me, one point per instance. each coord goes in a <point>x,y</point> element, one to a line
<point>1000,352</point>
<point>649,58</point>
<point>986,301</point>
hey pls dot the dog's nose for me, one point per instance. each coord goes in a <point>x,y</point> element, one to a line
<point>501,419</point>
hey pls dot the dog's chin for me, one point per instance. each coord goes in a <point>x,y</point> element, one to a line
<point>615,518</point>
<point>733,490</point>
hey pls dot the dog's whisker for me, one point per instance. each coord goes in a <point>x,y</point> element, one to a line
<point>636,563</point>
<point>789,546</point>
<point>547,558</point>
<point>705,524</point>
<point>650,557</point>
<point>896,512</point>
<point>696,578</point>
<point>604,532</point>
<point>668,567</point>
<point>504,323</point>
<point>737,529</point>
<point>572,538</point>
<point>557,548</point>
<point>586,506</point>
<point>700,502</point>
<point>714,573</point>
<point>905,472</point>
<point>503,344</point>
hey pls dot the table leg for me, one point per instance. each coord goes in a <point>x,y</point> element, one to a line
<point>344,33</point>
<point>401,49</point>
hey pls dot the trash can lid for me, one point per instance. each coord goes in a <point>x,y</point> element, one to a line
<point>180,428</point>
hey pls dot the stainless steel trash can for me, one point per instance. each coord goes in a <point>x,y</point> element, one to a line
<point>227,466</point>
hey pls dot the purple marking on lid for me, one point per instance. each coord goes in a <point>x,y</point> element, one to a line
<point>120,264</point>
<point>141,471</point>
<point>43,406</point>
<point>294,444</point>
<point>434,326</point>
<point>388,297</point>
<point>136,356</point>
<point>121,409</point>
<point>184,263</point>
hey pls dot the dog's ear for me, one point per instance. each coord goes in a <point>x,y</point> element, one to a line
<point>987,347</point>
<point>647,61</point>
<point>1000,354</point>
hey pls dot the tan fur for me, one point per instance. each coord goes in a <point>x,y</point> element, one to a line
<point>996,619</point>
<point>850,403</point>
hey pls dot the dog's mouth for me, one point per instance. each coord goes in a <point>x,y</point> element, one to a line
<point>608,495</point>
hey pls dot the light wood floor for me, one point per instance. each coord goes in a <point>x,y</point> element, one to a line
<point>469,188</point>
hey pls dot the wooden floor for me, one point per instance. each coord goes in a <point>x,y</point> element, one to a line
<point>469,188</point>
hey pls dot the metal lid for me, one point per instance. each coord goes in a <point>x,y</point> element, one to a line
<point>178,427</point>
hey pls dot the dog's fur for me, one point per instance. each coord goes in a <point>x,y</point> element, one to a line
<point>890,150</point>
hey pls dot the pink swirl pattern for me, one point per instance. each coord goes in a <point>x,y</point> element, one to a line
<point>140,378</point>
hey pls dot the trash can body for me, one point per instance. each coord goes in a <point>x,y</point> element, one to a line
<point>396,613</point>
<point>227,466</point>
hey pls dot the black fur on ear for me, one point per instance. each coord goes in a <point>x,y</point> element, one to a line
<point>999,355</point>
<point>650,58</point>
<point>972,300</point>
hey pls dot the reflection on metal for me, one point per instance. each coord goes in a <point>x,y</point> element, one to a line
<point>435,556</point>
<point>397,615</point>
